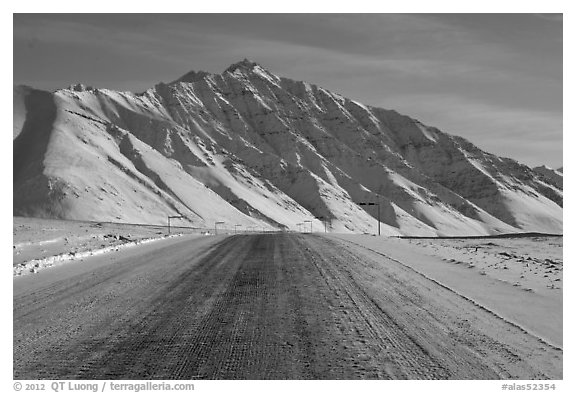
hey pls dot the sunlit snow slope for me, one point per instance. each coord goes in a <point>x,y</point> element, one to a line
<point>250,148</point>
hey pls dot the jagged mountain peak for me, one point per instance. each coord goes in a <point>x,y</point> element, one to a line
<point>251,69</point>
<point>244,65</point>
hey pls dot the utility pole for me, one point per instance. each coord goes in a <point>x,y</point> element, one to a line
<point>169,218</point>
<point>372,204</point>
<point>215,226</point>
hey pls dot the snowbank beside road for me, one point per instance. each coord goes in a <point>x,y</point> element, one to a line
<point>35,265</point>
<point>41,243</point>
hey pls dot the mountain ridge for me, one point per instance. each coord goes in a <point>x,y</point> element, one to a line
<point>273,152</point>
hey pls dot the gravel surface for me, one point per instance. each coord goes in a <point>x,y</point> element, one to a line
<point>268,306</point>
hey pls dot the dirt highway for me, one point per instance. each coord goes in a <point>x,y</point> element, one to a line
<point>268,306</point>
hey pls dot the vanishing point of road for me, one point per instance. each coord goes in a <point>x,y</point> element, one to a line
<point>260,306</point>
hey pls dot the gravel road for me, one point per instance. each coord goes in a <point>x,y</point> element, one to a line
<point>267,306</point>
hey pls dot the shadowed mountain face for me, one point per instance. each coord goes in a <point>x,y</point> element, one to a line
<point>252,149</point>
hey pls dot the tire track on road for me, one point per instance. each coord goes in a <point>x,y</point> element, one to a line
<point>159,343</point>
<point>401,356</point>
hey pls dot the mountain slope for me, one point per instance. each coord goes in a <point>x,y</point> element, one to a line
<point>551,176</point>
<point>250,148</point>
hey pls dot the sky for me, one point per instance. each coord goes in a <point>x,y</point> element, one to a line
<point>495,79</point>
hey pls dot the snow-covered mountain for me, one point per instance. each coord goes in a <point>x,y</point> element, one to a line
<point>253,149</point>
<point>552,176</point>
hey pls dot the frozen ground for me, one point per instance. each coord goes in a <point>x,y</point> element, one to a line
<point>518,279</point>
<point>532,264</point>
<point>40,243</point>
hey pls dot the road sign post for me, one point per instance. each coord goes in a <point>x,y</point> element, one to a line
<point>169,218</point>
